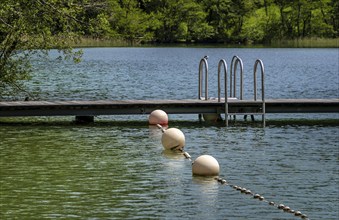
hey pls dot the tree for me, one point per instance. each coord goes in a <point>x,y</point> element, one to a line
<point>219,16</point>
<point>227,18</point>
<point>29,29</point>
<point>169,14</point>
<point>132,22</point>
<point>183,20</point>
<point>325,19</point>
<point>96,15</point>
<point>194,18</point>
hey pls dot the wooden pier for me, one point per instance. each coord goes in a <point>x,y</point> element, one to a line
<point>234,105</point>
<point>187,106</point>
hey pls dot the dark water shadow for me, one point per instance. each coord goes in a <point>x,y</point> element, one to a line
<point>55,121</point>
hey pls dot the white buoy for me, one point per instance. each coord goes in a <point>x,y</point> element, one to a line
<point>158,117</point>
<point>211,117</point>
<point>172,139</point>
<point>205,165</point>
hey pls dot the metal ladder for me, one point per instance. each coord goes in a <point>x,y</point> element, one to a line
<point>203,65</point>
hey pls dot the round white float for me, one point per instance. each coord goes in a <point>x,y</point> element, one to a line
<point>173,138</point>
<point>211,117</point>
<point>205,165</point>
<point>158,117</point>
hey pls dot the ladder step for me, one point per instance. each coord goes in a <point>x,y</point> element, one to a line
<point>248,113</point>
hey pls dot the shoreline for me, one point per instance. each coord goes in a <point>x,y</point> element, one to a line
<point>87,42</point>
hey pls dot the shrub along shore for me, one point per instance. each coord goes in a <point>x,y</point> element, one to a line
<point>295,43</point>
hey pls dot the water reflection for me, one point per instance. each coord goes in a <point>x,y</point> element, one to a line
<point>156,133</point>
<point>203,180</point>
<point>174,155</point>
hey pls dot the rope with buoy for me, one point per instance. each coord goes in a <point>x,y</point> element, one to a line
<point>176,147</point>
<point>173,139</point>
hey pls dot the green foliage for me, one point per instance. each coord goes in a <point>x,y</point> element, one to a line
<point>262,25</point>
<point>308,18</point>
<point>194,17</point>
<point>100,27</point>
<point>31,28</point>
<point>132,22</point>
<point>170,20</point>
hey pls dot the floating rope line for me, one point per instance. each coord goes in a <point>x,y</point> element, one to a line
<point>161,128</point>
<point>186,155</point>
<point>254,195</point>
<point>238,188</point>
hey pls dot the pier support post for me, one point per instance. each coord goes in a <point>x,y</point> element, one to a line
<point>84,119</point>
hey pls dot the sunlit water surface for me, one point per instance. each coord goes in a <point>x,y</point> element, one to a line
<point>116,168</point>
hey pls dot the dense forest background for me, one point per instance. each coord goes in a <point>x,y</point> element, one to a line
<point>222,21</point>
<point>168,21</point>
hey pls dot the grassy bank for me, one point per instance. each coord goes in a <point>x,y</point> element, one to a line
<point>308,43</point>
<point>296,43</point>
<point>95,42</point>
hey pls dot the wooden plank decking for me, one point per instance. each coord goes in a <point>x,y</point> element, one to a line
<point>187,106</point>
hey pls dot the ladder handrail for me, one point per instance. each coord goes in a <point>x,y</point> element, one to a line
<point>223,63</point>
<point>203,62</point>
<point>235,61</point>
<point>258,61</point>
